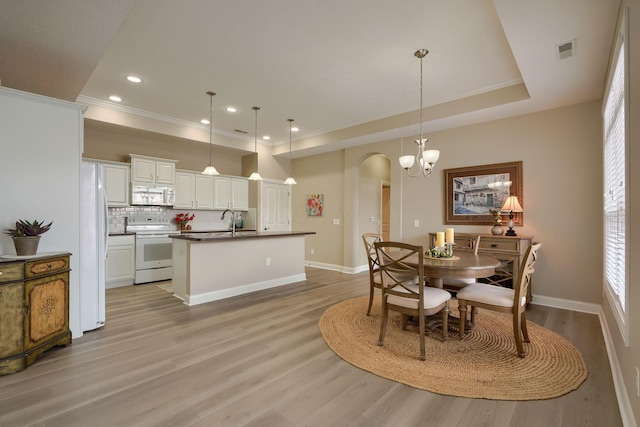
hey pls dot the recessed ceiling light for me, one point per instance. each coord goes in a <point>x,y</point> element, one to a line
<point>294,129</point>
<point>134,79</point>
<point>231,109</point>
<point>115,98</point>
<point>266,137</point>
<point>205,121</point>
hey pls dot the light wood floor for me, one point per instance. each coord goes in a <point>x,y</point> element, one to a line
<point>259,360</point>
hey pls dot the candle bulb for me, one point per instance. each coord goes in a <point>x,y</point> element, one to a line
<point>449,235</point>
<point>440,239</point>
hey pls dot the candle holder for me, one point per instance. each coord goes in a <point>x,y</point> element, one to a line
<point>448,250</point>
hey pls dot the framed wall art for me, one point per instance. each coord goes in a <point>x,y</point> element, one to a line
<point>470,193</point>
<point>314,204</point>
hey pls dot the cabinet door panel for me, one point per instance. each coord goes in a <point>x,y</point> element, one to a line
<point>221,192</point>
<point>142,170</point>
<point>203,192</point>
<point>117,185</point>
<point>11,315</point>
<point>47,302</point>
<point>165,172</point>
<point>184,190</point>
<point>240,193</point>
<point>120,264</point>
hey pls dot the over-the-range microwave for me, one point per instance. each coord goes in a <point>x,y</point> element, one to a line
<point>152,195</point>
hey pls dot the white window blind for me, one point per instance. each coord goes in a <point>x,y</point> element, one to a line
<point>614,184</point>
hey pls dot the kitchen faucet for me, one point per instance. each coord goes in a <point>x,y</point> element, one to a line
<point>233,220</point>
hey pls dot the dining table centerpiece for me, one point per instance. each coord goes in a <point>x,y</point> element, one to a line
<point>26,235</point>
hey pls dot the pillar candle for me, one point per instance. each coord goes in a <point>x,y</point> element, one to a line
<point>449,235</point>
<point>440,239</point>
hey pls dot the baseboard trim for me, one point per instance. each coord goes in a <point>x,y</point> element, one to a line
<point>240,290</point>
<point>566,304</point>
<point>624,404</point>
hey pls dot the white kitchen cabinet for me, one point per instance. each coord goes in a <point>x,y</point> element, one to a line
<point>121,261</point>
<point>230,192</point>
<point>193,191</point>
<point>117,184</point>
<point>152,170</point>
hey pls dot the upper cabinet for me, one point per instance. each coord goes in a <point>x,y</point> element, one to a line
<point>152,170</point>
<point>193,191</point>
<point>230,193</point>
<point>117,183</point>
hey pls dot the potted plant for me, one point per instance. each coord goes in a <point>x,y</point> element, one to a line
<point>497,222</point>
<point>26,235</point>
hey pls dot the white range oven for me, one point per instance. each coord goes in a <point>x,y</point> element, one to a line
<point>153,247</point>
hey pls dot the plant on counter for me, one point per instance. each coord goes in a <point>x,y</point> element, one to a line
<point>182,219</point>
<point>497,218</point>
<point>25,228</point>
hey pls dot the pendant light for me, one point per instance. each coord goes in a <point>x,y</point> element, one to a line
<point>290,180</point>
<point>426,158</point>
<point>255,176</point>
<point>210,170</point>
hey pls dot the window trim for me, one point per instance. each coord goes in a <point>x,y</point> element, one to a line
<point>620,314</point>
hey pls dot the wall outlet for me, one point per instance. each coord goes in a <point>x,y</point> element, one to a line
<point>313,251</point>
<point>372,219</point>
<point>268,261</point>
<point>416,223</point>
<point>336,221</point>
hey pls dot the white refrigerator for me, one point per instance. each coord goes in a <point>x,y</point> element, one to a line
<point>94,232</point>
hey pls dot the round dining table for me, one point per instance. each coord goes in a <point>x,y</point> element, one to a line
<point>464,265</point>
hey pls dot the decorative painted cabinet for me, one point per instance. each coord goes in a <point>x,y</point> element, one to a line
<point>34,309</point>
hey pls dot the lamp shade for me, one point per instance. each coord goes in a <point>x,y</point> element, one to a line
<point>210,170</point>
<point>512,205</point>
<point>406,161</point>
<point>431,156</point>
<point>290,181</point>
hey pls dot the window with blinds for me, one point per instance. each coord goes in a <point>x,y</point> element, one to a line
<point>615,193</point>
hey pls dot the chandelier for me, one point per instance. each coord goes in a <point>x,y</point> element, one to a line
<point>426,159</point>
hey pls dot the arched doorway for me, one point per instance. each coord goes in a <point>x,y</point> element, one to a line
<point>374,192</point>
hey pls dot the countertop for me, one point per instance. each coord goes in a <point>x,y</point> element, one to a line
<point>240,234</point>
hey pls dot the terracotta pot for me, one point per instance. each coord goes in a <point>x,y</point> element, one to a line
<point>27,245</point>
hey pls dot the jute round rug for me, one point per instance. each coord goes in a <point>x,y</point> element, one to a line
<point>484,365</point>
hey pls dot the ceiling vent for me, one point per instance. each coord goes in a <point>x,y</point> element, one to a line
<point>566,49</point>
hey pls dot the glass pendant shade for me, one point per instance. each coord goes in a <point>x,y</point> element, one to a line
<point>290,181</point>
<point>406,161</point>
<point>210,170</point>
<point>255,177</point>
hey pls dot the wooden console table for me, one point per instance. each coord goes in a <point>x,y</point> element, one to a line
<point>34,308</point>
<point>510,250</point>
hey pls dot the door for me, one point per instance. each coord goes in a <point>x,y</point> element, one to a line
<point>184,190</point>
<point>117,184</point>
<point>275,207</point>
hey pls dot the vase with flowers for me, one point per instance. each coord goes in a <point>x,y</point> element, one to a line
<point>182,219</point>
<point>497,229</point>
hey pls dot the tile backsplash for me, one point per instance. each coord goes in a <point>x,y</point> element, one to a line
<point>203,221</point>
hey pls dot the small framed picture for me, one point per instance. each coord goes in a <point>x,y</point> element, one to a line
<point>314,204</point>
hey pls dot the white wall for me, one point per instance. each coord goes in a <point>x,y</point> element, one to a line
<point>40,175</point>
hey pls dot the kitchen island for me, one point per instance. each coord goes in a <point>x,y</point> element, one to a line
<point>213,266</point>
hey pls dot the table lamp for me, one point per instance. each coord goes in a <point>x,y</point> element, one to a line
<point>511,205</point>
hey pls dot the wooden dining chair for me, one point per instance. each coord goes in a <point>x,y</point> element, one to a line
<point>497,298</point>
<point>454,284</point>
<point>372,258</point>
<point>403,289</point>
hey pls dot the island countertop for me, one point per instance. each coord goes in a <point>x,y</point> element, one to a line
<point>240,234</point>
